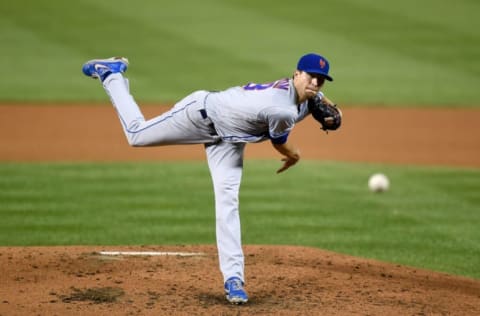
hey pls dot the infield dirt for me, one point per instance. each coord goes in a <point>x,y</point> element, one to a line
<point>401,136</point>
<point>280,280</point>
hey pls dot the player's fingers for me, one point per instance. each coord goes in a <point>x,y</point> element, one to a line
<point>285,166</point>
<point>282,169</point>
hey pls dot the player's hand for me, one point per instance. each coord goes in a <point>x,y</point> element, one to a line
<point>290,153</point>
<point>288,162</point>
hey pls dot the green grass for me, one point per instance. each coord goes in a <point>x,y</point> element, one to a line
<point>428,219</point>
<point>382,52</point>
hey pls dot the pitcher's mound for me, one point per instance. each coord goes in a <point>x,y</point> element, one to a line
<point>185,280</point>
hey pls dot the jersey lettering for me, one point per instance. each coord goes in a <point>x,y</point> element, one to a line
<point>279,84</point>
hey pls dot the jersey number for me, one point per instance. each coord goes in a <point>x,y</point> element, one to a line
<point>279,84</point>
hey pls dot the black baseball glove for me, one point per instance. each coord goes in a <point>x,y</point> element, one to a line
<point>329,116</point>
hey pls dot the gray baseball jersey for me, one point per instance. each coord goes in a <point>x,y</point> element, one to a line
<point>256,112</point>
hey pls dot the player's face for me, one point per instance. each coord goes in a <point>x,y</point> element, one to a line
<point>307,84</point>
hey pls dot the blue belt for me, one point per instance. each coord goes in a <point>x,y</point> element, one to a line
<point>203,113</point>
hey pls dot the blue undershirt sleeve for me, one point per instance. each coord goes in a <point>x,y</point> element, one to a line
<point>280,140</point>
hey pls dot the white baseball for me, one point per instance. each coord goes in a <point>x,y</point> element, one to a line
<point>378,182</point>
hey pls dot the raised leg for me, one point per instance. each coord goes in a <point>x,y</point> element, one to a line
<point>183,124</point>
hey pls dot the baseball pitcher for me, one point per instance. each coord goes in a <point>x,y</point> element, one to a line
<point>225,122</point>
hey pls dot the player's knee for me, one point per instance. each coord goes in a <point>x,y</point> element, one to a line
<point>227,198</point>
<point>135,141</point>
<point>134,144</point>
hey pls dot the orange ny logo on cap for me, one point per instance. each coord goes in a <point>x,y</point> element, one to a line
<point>322,63</point>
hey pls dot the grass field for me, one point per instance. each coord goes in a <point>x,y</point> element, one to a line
<point>426,220</point>
<point>382,52</point>
<point>388,53</point>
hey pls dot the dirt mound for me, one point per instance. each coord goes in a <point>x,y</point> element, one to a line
<point>281,281</point>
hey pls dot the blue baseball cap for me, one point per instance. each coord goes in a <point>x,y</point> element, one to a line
<point>316,64</point>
